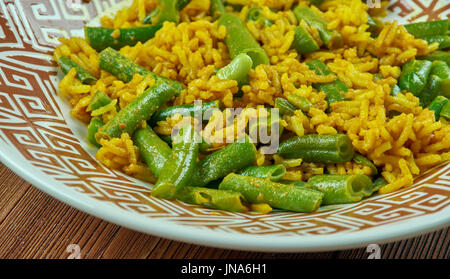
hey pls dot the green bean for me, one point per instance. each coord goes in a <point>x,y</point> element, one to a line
<point>442,70</point>
<point>277,195</point>
<point>178,169</point>
<point>360,159</point>
<point>430,28</point>
<point>181,4</point>
<point>239,40</point>
<point>316,2</point>
<point>255,14</point>
<point>118,65</point>
<point>378,183</point>
<point>414,76</point>
<point>260,129</point>
<point>443,40</point>
<point>375,26</point>
<point>334,90</point>
<point>217,9</point>
<point>185,110</point>
<point>295,183</point>
<point>299,102</point>
<point>395,90</point>
<point>100,99</point>
<point>303,41</point>
<point>284,106</point>
<point>445,112</point>
<point>331,38</point>
<point>152,149</point>
<point>214,198</point>
<point>95,124</point>
<point>167,10</point>
<point>232,157</point>
<point>140,109</point>
<point>318,148</point>
<point>82,74</point>
<point>438,55</point>
<point>272,172</point>
<point>237,70</point>
<point>100,38</point>
<point>438,103</point>
<point>339,189</point>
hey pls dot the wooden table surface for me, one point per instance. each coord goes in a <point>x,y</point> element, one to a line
<point>35,225</point>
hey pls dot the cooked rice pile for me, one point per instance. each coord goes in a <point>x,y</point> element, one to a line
<point>404,145</point>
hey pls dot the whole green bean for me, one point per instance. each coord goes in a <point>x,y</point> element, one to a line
<point>217,9</point>
<point>360,159</point>
<point>237,70</point>
<point>100,38</point>
<point>177,170</point>
<point>82,74</point>
<point>414,76</point>
<point>140,109</point>
<point>100,99</point>
<point>95,124</point>
<point>318,148</point>
<point>334,90</point>
<point>438,103</point>
<point>331,38</point>
<point>277,195</point>
<point>232,157</point>
<point>271,172</point>
<point>214,198</point>
<point>185,110</point>
<point>303,41</point>
<point>339,189</point>
<point>152,149</point>
<point>430,28</point>
<point>239,40</point>
<point>438,55</point>
<point>123,68</point>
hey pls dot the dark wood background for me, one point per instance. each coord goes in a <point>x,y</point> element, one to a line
<point>35,225</point>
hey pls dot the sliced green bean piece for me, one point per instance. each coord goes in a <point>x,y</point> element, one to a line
<point>214,198</point>
<point>181,4</point>
<point>378,183</point>
<point>95,124</point>
<point>232,157</point>
<point>255,14</point>
<point>277,195</point>
<point>140,109</point>
<point>123,68</point>
<point>331,38</point>
<point>152,149</point>
<point>217,9</point>
<point>303,41</point>
<point>185,110</point>
<point>318,148</point>
<point>414,76</point>
<point>237,70</point>
<point>445,112</point>
<point>239,40</point>
<point>300,102</point>
<point>443,40</point>
<point>178,169</point>
<point>339,189</point>
<point>284,106</point>
<point>100,38</point>
<point>82,74</point>
<point>334,90</point>
<point>438,103</point>
<point>295,183</point>
<point>375,26</point>
<point>100,99</point>
<point>430,28</point>
<point>360,159</point>
<point>272,172</point>
<point>167,10</point>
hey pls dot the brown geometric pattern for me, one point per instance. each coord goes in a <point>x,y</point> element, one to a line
<point>32,120</point>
